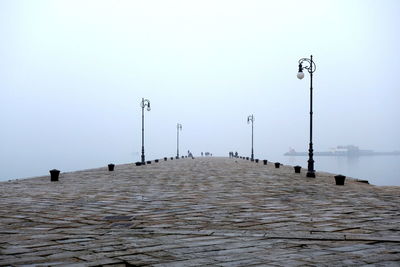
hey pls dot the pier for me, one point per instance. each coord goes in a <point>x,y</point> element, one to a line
<point>197,212</point>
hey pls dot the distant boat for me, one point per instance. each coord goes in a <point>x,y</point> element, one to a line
<point>346,151</point>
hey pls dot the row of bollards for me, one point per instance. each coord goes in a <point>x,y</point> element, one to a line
<point>55,174</point>
<point>339,179</point>
<point>158,160</point>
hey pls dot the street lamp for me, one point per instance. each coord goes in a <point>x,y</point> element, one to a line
<point>143,104</point>
<point>178,128</point>
<point>310,68</point>
<point>250,118</point>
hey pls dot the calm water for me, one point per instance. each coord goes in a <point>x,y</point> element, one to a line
<point>378,170</point>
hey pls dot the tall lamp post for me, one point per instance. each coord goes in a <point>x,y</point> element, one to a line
<point>178,128</point>
<point>311,67</point>
<point>143,104</point>
<point>250,118</point>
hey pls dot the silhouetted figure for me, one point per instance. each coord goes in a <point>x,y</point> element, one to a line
<point>201,153</point>
<point>236,154</point>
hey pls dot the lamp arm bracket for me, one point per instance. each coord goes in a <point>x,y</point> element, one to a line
<point>311,65</point>
<point>145,103</point>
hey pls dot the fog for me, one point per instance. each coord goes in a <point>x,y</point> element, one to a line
<point>73,73</point>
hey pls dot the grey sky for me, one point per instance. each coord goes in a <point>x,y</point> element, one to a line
<point>72,74</point>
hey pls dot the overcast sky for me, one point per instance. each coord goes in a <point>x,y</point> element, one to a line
<point>72,75</point>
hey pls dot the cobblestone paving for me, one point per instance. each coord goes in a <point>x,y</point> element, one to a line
<point>193,212</point>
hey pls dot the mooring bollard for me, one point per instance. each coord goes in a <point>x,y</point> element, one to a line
<point>256,160</point>
<point>165,159</point>
<point>297,169</point>
<point>265,162</point>
<point>54,175</point>
<point>339,179</point>
<point>247,158</point>
<point>111,167</point>
<point>148,162</point>
<point>277,165</point>
<point>156,161</point>
<point>172,158</point>
<point>138,163</point>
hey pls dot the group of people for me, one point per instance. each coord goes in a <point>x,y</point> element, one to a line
<point>207,154</point>
<point>233,155</point>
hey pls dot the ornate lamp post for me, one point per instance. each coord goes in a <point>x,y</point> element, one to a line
<point>178,128</point>
<point>143,104</point>
<point>250,118</point>
<point>310,68</point>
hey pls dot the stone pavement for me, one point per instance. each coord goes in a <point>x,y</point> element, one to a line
<point>193,212</point>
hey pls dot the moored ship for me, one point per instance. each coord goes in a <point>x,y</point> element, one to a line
<point>348,151</point>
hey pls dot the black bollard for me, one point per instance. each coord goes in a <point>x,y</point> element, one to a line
<point>165,159</point>
<point>256,160</point>
<point>138,163</point>
<point>277,165</point>
<point>265,162</point>
<point>297,169</point>
<point>339,179</point>
<point>172,158</point>
<point>148,162</point>
<point>111,167</point>
<point>156,161</point>
<point>247,158</point>
<point>54,175</point>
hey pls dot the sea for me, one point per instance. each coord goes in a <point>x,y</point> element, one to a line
<point>378,170</point>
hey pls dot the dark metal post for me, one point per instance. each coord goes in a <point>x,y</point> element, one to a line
<point>311,68</point>
<point>178,127</point>
<point>143,160</point>
<point>143,104</point>
<point>311,171</point>
<point>250,118</point>
<point>252,140</point>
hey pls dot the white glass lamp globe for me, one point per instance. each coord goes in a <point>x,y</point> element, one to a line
<point>300,75</point>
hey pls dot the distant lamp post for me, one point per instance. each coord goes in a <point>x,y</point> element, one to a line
<point>310,68</point>
<point>143,104</point>
<point>178,128</point>
<point>250,118</point>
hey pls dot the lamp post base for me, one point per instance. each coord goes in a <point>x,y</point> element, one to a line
<point>311,174</point>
